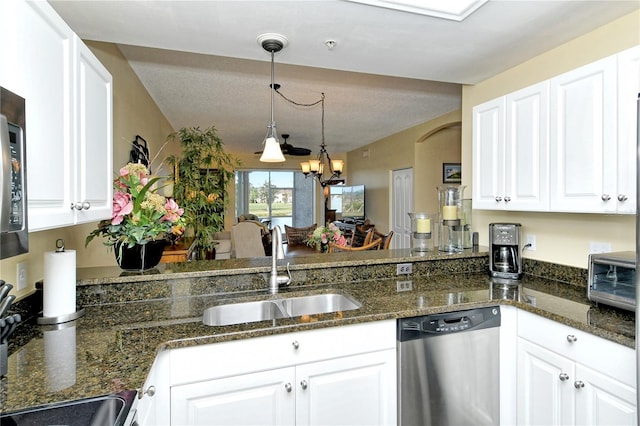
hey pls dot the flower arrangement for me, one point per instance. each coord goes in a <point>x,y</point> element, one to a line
<point>140,214</point>
<point>323,235</point>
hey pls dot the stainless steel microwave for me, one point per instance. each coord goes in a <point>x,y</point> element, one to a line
<point>14,231</point>
<point>612,279</point>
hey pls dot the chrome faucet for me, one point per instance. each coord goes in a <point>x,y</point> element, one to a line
<point>277,252</point>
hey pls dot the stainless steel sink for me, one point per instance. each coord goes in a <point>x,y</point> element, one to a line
<point>318,304</point>
<point>262,310</point>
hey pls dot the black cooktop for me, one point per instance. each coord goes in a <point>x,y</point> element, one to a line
<point>107,410</point>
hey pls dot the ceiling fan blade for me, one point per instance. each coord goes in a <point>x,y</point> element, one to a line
<point>298,151</point>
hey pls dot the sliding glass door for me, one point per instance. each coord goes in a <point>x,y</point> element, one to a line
<point>280,197</point>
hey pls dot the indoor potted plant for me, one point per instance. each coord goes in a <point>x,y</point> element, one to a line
<point>142,221</point>
<point>201,175</point>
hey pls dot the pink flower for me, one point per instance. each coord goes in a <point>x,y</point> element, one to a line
<point>341,241</point>
<point>173,211</point>
<point>122,206</point>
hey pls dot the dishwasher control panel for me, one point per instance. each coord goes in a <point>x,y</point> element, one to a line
<point>450,322</point>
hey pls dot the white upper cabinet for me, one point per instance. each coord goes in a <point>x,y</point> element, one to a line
<point>68,97</point>
<point>628,90</point>
<point>567,144</point>
<point>584,139</point>
<point>94,138</point>
<point>510,151</point>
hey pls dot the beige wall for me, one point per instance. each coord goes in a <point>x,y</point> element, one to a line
<point>560,238</point>
<point>373,164</point>
<point>134,113</point>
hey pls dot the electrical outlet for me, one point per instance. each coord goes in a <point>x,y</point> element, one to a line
<point>531,242</point>
<point>21,275</point>
<point>404,268</point>
<point>598,247</point>
<point>404,285</point>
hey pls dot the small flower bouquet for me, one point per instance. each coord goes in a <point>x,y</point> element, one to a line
<point>323,235</point>
<point>140,215</point>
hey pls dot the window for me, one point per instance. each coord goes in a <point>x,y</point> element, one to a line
<point>281,197</point>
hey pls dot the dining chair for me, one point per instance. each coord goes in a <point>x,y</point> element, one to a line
<point>373,245</point>
<point>247,240</point>
<point>298,235</point>
<point>361,237</point>
<point>386,239</point>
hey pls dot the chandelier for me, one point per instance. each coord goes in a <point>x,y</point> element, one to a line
<point>324,168</point>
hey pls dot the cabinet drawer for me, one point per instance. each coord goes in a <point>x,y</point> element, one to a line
<point>225,359</point>
<point>608,357</point>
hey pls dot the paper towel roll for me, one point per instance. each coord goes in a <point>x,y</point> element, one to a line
<point>59,286</point>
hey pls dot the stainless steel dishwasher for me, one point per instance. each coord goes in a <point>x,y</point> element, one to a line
<point>448,368</point>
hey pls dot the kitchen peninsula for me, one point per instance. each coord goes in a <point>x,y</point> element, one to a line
<point>132,317</point>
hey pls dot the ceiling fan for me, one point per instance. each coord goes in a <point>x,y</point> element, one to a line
<point>288,149</point>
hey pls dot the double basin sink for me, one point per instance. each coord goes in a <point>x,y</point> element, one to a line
<point>275,308</point>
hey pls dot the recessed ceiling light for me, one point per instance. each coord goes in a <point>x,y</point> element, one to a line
<point>456,10</point>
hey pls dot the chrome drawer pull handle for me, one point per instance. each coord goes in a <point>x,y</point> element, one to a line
<point>288,387</point>
<point>579,384</point>
<point>563,377</point>
<point>304,384</point>
<point>606,197</point>
<point>571,338</point>
<point>622,197</point>
<point>507,199</point>
<point>498,199</point>
<point>295,344</point>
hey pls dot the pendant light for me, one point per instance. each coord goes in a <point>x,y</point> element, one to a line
<point>272,153</point>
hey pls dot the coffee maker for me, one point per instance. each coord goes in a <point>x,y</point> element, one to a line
<point>504,250</point>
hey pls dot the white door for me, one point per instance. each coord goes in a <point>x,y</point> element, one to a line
<point>545,393</point>
<point>402,196</point>
<point>356,390</point>
<point>260,399</point>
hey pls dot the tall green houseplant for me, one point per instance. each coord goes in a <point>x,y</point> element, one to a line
<point>201,176</point>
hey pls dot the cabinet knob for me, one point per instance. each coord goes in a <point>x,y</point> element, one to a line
<point>507,199</point>
<point>563,377</point>
<point>295,345</point>
<point>151,390</point>
<point>498,199</point>
<point>579,384</point>
<point>77,206</point>
<point>571,338</point>
<point>288,387</point>
<point>304,384</point>
<point>622,197</point>
<point>606,197</point>
<point>86,205</point>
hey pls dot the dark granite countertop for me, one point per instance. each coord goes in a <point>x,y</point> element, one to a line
<point>112,347</point>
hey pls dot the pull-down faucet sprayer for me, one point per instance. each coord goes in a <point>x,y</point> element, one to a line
<point>277,252</point>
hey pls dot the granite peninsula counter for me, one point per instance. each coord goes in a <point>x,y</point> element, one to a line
<point>131,316</point>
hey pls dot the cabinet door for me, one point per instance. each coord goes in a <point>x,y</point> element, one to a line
<point>526,149</point>
<point>488,155</point>
<point>355,390</point>
<point>261,399</point>
<point>628,89</point>
<point>583,139</point>
<point>545,392</point>
<point>601,400</point>
<point>46,64</point>
<point>94,138</point>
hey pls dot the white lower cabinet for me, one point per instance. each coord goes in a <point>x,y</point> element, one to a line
<point>351,390</point>
<point>569,377</point>
<point>332,376</point>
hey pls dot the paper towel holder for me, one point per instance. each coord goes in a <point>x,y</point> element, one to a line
<point>59,319</point>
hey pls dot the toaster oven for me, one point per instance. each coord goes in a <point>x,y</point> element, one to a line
<point>612,279</point>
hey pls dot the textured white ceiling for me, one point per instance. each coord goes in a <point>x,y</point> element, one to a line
<point>389,70</point>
